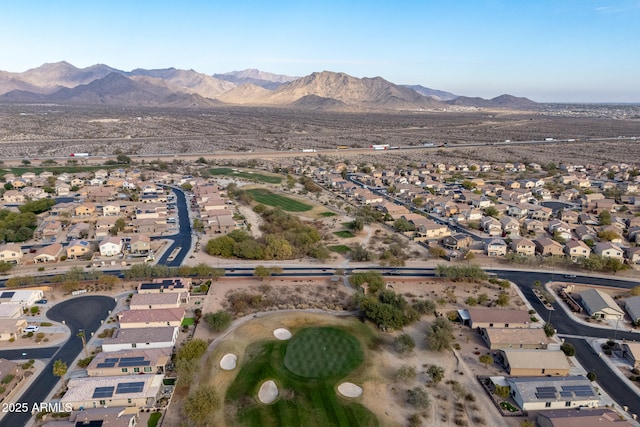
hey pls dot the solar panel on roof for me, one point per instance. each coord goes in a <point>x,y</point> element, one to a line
<point>566,394</point>
<point>101,392</point>
<point>111,360</point>
<point>576,387</point>
<point>132,387</point>
<point>546,389</point>
<point>106,365</point>
<point>546,395</point>
<point>583,393</point>
<point>131,359</point>
<point>7,294</point>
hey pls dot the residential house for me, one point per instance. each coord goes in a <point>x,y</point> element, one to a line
<point>457,241</point>
<point>23,298</point>
<point>140,244</point>
<point>491,226</point>
<point>548,247</point>
<point>600,305</point>
<point>586,232</point>
<point>110,246</point>
<point>540,393</point>
<point>11,253</point>
<point>581,417</point>
<point>496,247</point>
<point>529,363</point>
<point>510,226</point>
<point>176,284</point>
<point>523,247</point>
<point>79,230</point>
<point>510,338</point>
<point>633,254</point>
<point>130,362</point>
<point>142,338</point>
<point>62,189</point>
<point>85,209</point>
<point>50,253</point>
<point>112,417</point>
<point>569,216</point>
<point>631,352</point>
<point>576,249</point>
<point>559,228</point>
<point>533,226</point>
<point>632,305</point>
<point>14,197</point>
<point>48,228</point>
<point>78,248</point>
<point>11,327</point>
<point>151,318</point>
<point>104,225</point>
<point>111,209</point>
<point>141,391</point>
<point>158,300</point>
<point>608,250</point>
<point>498,318</point>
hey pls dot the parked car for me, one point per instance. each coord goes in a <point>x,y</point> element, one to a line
<point>569,276</point>
<point>41,301</point>
<point>31,328</point>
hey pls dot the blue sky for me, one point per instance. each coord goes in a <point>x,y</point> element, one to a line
<point>546,50</point>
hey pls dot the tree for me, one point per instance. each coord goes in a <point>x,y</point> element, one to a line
<point>360,253</point>
<point>192,350</point>
<point>592,376</point>
<point>218,321</point>
<point>220,246</point>
<point>404,343</point>
<point>202,404</point>
<point>261,271</point>
<point>436,373</point>
<point>418,398</point>
<point>605,217</point>
<point>198,225</point>
<point>123,159</point>
<point>401,225</point>
<point>471,301</point>
<point>186,187</point>
<point>5,266</point>
<point>440,335</point>
<point>486,359</point>
<point>568,349</point>
<point>59,368</point>
<point>608,235</point>
<point>635,291</point>
<point>491,211</point>
<point>549,330</point>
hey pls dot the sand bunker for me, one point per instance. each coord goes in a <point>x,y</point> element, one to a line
<point>349,390</point>
<point>228,362</point>
<point>282,334</point>
<point>268,392</point>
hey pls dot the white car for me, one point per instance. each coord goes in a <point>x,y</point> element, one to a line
<point>31,328</point>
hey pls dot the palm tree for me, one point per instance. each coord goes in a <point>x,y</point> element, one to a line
<point>59,368</point>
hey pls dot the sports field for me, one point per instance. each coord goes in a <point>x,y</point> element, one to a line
<point>268,198</point>
<point>269,179</point>
<point>307,370</point>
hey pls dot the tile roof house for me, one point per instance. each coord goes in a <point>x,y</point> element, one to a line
<point>523,247</point>
<point>576,249</point>
<point>544,393</point>
<point>151,318</point>
<point>78,248</point>
<point>527,363</point>
<point>581,417</point>
<point>548,247</point>
<point>600,305</point>
<point>127,362</point>
<point>498,318</point>
<point>11,253</point>
<point>608,250</point>
<point>110,246</point>
<point>632,305</point>
<point>50,253</point>
<point>142,338</point>
<point>510,338</point>
<point>496,247</point>
<point>157,300</point>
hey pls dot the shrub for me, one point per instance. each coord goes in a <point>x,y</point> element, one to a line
<point>568,349</point>
<point>406,373</point>
<point>404,343</point>
<point>218,321</point>
<point>418,398</point>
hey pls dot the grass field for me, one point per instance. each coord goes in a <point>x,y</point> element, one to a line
<point>268,198</point>
<point>188,321</point>
<point>340,249</point>
<point>153,419</point>
<point>328,214</point>
<point>345,234</point>
<point>269,179</point>
<point>308,395</point>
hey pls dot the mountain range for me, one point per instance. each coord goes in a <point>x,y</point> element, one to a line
<point>63,83</point>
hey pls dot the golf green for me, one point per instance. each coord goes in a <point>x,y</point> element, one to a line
<point>322,352</point>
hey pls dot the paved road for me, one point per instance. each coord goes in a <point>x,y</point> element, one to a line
<point>82,313</point>
<point>182,239</point>
<point>566,325</point>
